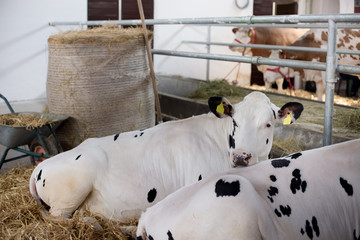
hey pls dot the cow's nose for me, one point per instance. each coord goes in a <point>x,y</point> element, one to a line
<point>241,159</point>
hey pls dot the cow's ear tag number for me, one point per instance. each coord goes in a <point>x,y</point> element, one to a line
<point>220,108</point>
<point>287,120</point>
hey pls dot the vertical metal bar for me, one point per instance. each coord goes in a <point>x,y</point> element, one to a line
<point>331,62</point>
<point>208,40</point>
<point>151,66</point>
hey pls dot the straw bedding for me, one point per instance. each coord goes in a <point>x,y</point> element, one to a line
<point>30,121</point>
<point>100,78</point>
<point>20,217</point>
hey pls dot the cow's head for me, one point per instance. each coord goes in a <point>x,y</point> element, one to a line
<point>250,125</point>
<point>243,36</point>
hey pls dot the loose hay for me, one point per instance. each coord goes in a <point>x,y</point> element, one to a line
<point>290,145</point>
<point>21,218</point>
<point>30,121</point>
<point>109,33</point>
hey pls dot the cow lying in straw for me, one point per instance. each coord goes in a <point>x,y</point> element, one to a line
<point>119,176</point>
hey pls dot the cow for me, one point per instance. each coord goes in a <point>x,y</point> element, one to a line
<point>277,74</point>
<point>346,39</point>
<point>313,194</point>
<point>261,35</point>
<point>118,176</point>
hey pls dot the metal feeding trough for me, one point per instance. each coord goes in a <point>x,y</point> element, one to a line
<point>40,146</point>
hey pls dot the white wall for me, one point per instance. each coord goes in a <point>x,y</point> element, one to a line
<point>23,43</point>
<point>170,37</point>
<point>24,33</point>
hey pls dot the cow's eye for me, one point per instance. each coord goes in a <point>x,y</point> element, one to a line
<point>268,125</point>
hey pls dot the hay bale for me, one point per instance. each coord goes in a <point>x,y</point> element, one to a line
<point>100,78</point>
<point>21,218</point>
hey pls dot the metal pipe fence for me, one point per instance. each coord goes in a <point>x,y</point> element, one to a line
<point>294,21</point>
<point>273,47</point>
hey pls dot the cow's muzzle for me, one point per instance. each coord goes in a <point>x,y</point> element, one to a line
<point>241,159</point>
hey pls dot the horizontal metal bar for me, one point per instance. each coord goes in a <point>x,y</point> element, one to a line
<point>309,25</point>
<point>227,20</point>
<point>259,61</point>
<point>275,47</point>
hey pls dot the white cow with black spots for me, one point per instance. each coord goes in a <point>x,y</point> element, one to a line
<point>119,176</point>
<point>314,194</point>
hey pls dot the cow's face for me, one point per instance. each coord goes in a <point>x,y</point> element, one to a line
<point>251,125</point>
<point>242,36</point>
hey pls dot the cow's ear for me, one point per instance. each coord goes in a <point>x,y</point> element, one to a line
<point>220,106</point>
<point>234,30</point>
<point>290,112</point>
<point>251,32</point>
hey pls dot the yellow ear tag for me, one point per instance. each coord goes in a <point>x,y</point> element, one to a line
<point>287,120</point>
<point>220,108</point>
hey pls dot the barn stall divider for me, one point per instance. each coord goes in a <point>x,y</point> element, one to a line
<point>331,66</point>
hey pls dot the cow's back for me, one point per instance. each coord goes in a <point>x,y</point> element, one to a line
<point>309,195</point>
<point>275,36</point>
<point>313,193</point>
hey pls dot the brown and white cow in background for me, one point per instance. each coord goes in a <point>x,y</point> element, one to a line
<point>261,35</point>
<point>346,39</point>
<point>119,176</point>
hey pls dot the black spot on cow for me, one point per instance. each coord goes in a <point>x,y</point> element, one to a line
<point>170,235</point>
<point>142,133</point>
<point>356,237</point>
<point>267,141</point>
<point>284,210</point>
<point>139,238</point>
<point>77,157</point>
<point>274,114</point>
<point>116,137</point>
<point>223,188</point>
<point>279,163</point>
<point>151,195</point>
<point>200,177</point>
<point>297,183</point>
<point>44,182</point>
<point>273,178</point>
<point>231,142</point>
<point>311,228</point>
<point>347,187</point>
<point>277,212</point>
<point>295,155</point>
<point>38,177</point>
<point>136,136</point>
<point>150,237</point>
<point>272,192</point>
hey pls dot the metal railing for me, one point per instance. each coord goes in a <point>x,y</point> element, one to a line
<point>330,66</point>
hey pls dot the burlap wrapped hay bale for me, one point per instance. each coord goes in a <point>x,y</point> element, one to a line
<point>100,78</point>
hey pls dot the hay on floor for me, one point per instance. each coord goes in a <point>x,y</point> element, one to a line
<point>21,218</point>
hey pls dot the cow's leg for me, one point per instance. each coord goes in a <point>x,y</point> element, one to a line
<point>297,81</point>
<point>319,90</point>
<point>279,83</point>
<point>64,182</point>
<point>267,85</point>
